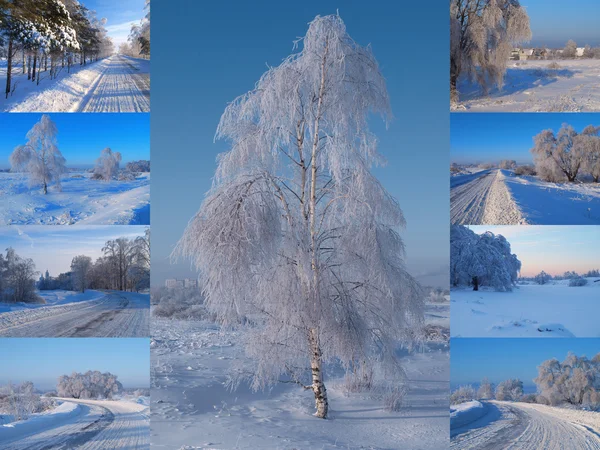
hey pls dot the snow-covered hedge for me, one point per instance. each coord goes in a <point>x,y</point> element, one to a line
<point>580,281</point>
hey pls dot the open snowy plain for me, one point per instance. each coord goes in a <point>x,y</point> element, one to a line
<point>114,84</point>
<point>82,424</point>
<point>82,200</point>
<point>192,408</point>
<point>530,310</point>
<point>499,197</point>
<point>70,314</point>
<point>534,86</point>
<point>523,426</point>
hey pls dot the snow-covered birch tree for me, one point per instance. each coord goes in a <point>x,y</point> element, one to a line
<point>482,35</point>
<point>107,165</point>
<point>40,156</point>
<point>559,156</point>
<point>297,238</point>
<point>80,270</point>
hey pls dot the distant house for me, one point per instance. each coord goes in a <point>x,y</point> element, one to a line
<point>189,283</point>
<point>171,283</point>
<point>521,54</point>
<point>579,52</point>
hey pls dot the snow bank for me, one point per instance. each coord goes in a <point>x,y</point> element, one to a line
<point>466,413</point>
<point>38,422</point>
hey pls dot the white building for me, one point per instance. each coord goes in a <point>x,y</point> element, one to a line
<point>190,283</point>
<point>171,283</point>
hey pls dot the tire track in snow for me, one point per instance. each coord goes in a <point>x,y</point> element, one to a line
<point>532,427</point>
<point>119,89</point>
<point>115,315</point>
<point>484,201</point>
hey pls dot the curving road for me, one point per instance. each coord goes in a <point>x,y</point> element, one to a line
<point>117,314</point>
<point>102,424</point>
<point>526,426</point>
<point>123,86</point>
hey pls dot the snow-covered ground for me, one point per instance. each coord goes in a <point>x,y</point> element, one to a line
<point>82,200</point>
<point>465,413</point>
<point>93,314</point>
<point>114,84</point>
<point>82,424</point>
<point>526,426</point>
<point>532,86</point>
<point>192,408</point>
<point>530,310</point>
<point>53,298</point>
<point>499,197</point>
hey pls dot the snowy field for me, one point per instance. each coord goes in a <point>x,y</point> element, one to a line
<point>82,200</point>
<point>114,84</point>
<point>524,426</point>
<point>531,86</point>
<point>550,310</point>
<point>82,424</point>
<point>92,314</point>
<point>192,409</point>
<point>498,197</point>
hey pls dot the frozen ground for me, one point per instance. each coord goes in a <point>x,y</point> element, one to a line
<point>94,314</point>
<point>532,86</point>
<point>527,426</point>
<point>550,310</point>
<point>82,424</point>
<point>499,197</point>
<point>114,84</point>
<point>82,200</point>
<point>192,409</point>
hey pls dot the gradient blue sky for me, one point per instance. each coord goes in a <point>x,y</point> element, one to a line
<point>53,248</point>
<point>42,361</point>
<point>476,138</point>
<point>81,137</point>
<point>500,359</point>
<point>225,49</point>
<point>554,249</point>
<point>553,23</point>
<point>119,14</point>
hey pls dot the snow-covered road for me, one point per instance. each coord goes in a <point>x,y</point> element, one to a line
<point>483,200</point>
<point>526,426</point>
<point>123,86</point>
<point>102,424</point>
<point>117,314</point>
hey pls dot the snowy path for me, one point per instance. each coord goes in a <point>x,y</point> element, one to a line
<point>122,87</point>
<point>530,427</point>
<point>117,314</point>
<point>104,424</point>
<point>484,200</point>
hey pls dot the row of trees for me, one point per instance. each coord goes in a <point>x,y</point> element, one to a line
<point>92,384</point>
<point>138,41</point>
<point>481,260</point>
<point>573,277</point>
<point>17,279</point>
<point>574,381</point>
<point>42,160</point>
<point>20,400</point>
<point>125,266</point>
<point>565,155</point>
<point>48,36</point>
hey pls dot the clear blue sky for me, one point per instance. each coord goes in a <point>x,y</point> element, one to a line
<point>554,249</point>
<point>119,15</point>
<point>553,23</point>
<point>81,137</point>
<point>42,361</point>
<point>225,49</point>
<point>492,137</point>
<point>53,248</point>
<point>500,359</point>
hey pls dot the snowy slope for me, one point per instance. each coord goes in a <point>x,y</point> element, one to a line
<point>466,413</point>
<point>192,408</point>
<point>114,314</point>
<point>90,425</point>
<point>551,310</point>
<point>53,298</point>
<point>533,87</point>
<point>114,84</point>
<point>525,426</point>
<point>82,199</point>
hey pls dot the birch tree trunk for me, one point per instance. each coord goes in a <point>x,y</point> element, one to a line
<point>9,67</point>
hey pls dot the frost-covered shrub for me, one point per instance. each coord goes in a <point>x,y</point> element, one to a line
<point>360,380</point>
<point>507,164</point>
<point>89,385</point>
<point>20,400</point>
<point>463,394</point>
<point>127,176</point>
<point>542,278</point>
<point>525,170</point>
<point>138,166</point>
<point>509,390</point>
<point>580,281</point>
<point>394,398</point>
<point>107,165</point>
<point>529,398</point>
<point>183,303</point>
<point>486,390</point>
<point>554,66</point>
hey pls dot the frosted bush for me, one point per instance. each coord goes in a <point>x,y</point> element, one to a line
<point>463,394</point>
<point>394,398</point>
<point>575,282</point>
